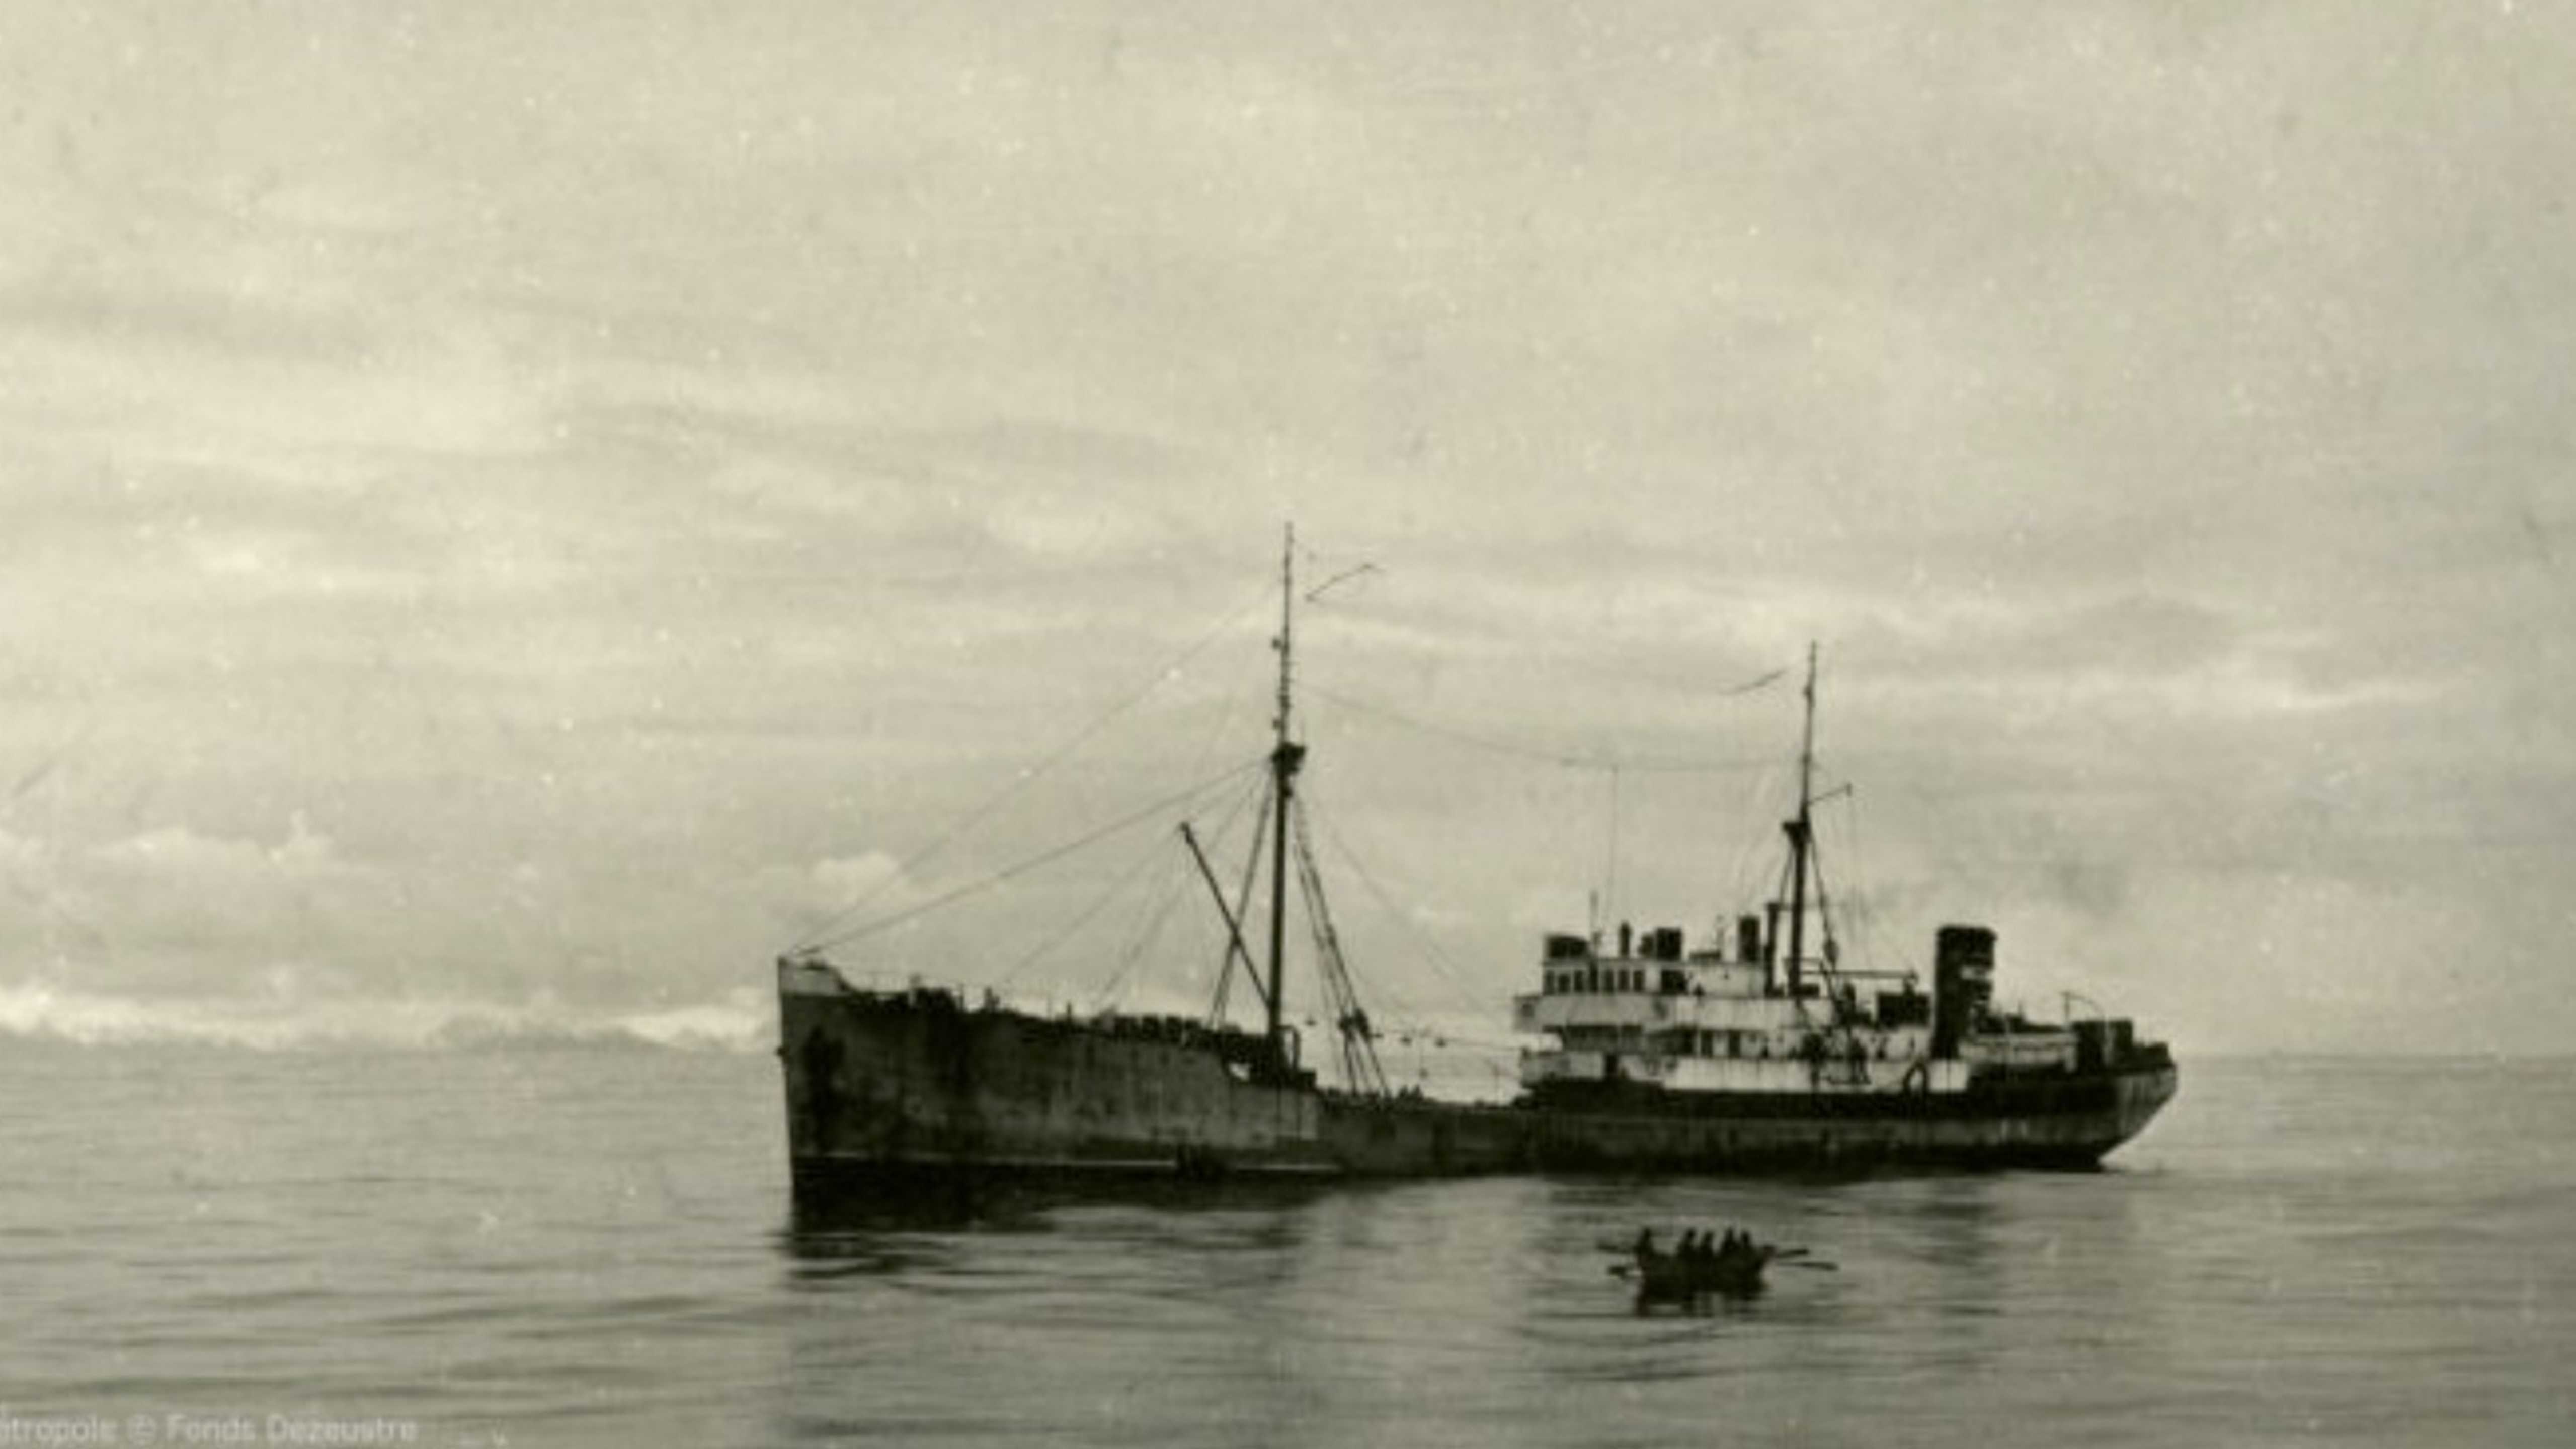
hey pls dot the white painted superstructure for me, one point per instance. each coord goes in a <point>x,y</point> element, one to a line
<point>1707,1022</point>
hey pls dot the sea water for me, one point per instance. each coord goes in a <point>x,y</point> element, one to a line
<point>595,1245</point>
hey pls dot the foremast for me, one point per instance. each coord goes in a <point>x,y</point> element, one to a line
<point>1362,1073</point>
<point>1285,757</point>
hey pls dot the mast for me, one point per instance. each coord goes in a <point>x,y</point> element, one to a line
<point>1284,759</point>
<point>1801,830</point>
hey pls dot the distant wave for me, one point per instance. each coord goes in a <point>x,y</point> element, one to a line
<point>740,1022</point>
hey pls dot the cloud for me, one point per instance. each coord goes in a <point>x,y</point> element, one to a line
<point>220,865</point>
<point>838,881</point>
<point>587,475</point>
<point>836,892</point>
<point>738,1022</point>
<point>175,909</point>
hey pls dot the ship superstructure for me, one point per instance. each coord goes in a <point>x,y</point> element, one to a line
<point>1757,1015</point>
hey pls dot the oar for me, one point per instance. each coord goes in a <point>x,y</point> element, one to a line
<point>1628,1245</point>
<point>1813,1265</point>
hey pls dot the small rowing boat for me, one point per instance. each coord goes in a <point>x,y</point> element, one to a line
<point>1732,1271</point>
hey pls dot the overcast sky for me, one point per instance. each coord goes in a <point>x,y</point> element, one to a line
<point>528,508</point>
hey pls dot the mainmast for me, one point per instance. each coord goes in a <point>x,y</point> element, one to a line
<point>1801,831</point>
<point>1285,756</point>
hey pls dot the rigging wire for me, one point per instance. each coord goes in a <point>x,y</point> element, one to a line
<point>1045,857</point>
<point>1361,1069</point>
<point>1243,907</point>
<point>1863,905</point>
<point>1418,1035</point>
<point>1568,759</point>
<point>1117,885</point>
<point>1029,775</point>
<point>1151,929</point>
<point>1345,576</point>
<point>1744,880</point>
<point>1218,731</point>
<point>1610,882</point>
<point>1439,960</point>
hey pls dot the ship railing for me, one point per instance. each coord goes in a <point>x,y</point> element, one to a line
<point>974,996</point>
<point>969,994</point>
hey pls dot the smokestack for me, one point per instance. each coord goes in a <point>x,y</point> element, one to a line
<point>1963,983</point>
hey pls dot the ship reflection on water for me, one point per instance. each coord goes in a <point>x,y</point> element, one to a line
<point>939,1228</point>
<point>930,1202</point>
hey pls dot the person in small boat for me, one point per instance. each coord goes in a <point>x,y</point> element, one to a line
<point>1645,1244</point>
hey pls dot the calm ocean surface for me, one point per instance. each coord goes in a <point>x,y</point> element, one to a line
<point>561,1246</point>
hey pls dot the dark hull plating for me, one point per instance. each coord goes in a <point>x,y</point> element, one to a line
<point>900,1089</point>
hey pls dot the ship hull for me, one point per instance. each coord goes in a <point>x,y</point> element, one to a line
<point>902,1092</point>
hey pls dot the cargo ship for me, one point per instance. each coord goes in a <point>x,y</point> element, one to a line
<point>1648,1053</point>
